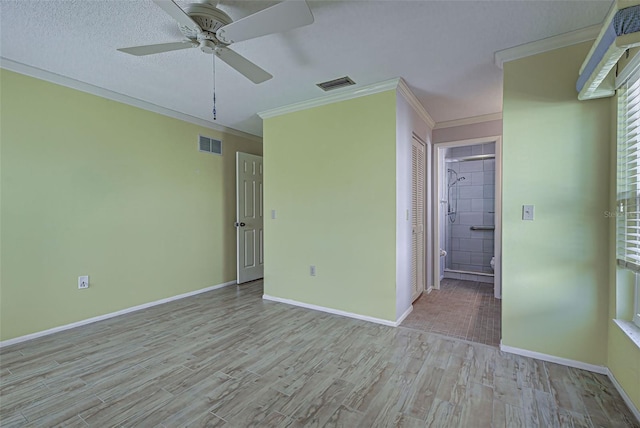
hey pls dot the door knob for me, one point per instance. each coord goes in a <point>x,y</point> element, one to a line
<point>241,224</point>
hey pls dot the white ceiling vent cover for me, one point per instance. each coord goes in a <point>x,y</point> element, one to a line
<point>209,145</point>
<point>336,83</point>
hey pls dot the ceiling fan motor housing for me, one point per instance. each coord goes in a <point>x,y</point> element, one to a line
<point>210,19</point>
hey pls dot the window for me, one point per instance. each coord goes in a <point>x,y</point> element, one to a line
<point>628,182</point>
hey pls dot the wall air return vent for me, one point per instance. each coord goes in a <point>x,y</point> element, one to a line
<point>336,83</point>
<point>209,145</point>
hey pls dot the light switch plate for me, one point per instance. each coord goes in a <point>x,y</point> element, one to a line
<point>528,212</point>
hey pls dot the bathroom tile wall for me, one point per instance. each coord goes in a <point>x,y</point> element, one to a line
<point>471,250</point>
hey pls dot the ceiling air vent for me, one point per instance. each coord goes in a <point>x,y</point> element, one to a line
<point>336,83</point>
<point>209,145</point>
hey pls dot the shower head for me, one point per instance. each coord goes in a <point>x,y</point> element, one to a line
<point>454,182</point>
<point>450,170</point>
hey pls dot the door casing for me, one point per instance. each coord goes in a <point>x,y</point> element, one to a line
<point>439,149</point>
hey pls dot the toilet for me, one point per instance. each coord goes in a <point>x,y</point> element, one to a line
<point>493,263</point>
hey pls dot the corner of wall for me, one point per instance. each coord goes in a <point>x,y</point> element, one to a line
<point>335,203</point>
<point>555,297</point>
<point>109,190</point>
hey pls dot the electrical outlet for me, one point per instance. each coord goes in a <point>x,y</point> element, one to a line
<point>83,281</point>
<point>312,270</point>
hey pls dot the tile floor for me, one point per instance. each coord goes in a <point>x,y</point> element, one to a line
<point>463,309</point>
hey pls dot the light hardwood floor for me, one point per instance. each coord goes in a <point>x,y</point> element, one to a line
<point>228,358</point>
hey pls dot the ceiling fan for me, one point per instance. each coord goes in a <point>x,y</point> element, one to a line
<point>207,27</point>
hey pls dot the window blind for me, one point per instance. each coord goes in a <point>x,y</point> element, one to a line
<point>628,171</point>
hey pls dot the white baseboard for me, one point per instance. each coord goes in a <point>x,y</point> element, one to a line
<point>334,311</point>
<point>553,359</point>
<point>624,395</point>
<point>403,316</point>
<point>111,315</point>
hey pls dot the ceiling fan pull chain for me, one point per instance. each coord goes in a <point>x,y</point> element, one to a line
<point>214,87</point>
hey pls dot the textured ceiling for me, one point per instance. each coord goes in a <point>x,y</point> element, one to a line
<point>443,49</point>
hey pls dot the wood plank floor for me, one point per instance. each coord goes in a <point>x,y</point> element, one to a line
<point>463,309</point>
<point>229,359</point>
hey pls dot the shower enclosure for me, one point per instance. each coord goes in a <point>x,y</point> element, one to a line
<point>468,196</point>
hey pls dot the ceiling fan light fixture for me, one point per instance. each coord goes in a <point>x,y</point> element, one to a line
<point>207,46</point>
<point>340,82</point>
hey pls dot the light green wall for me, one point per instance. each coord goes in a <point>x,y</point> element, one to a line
<point>330,174</point>
<point>624,362</point>
<point>92,186</point>
<point>556,157</point>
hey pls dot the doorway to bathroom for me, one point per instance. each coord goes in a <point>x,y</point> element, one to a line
<point>467,180</point>
<point>465,299</point>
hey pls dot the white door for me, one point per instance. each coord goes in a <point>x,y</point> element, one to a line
<point>417,217</point>
<point>249,220</point>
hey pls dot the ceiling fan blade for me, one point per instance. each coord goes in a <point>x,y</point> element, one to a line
<point>174,11</point>
<point>243,65</point>
<point>275,19</point>
<point>162,47</point>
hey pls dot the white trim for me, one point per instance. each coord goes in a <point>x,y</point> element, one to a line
<point>347,94</point>
<point>335,311</point>
<point>545,45</point>
<point>436,167</point>
<point>406,93</point>
<point>340,95</point>
<point>403,316</point>
<point>635,320</point>
<point>616,5</point>
<point>553,359</point>
<point>630,329</point>
<point>469,120</point>
<point>601,82</point>
<point>111,315</point>
<point>469,142</point>
<point>68,82</point>
<point>497,236</point>
<point>624,395</point>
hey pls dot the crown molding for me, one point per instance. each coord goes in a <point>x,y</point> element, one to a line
<point>404,90</point>
<point>351,93</point>
<point>68,82</point>
<point>545,45</point>
<point>469,120</point>
<point>342,95</point>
